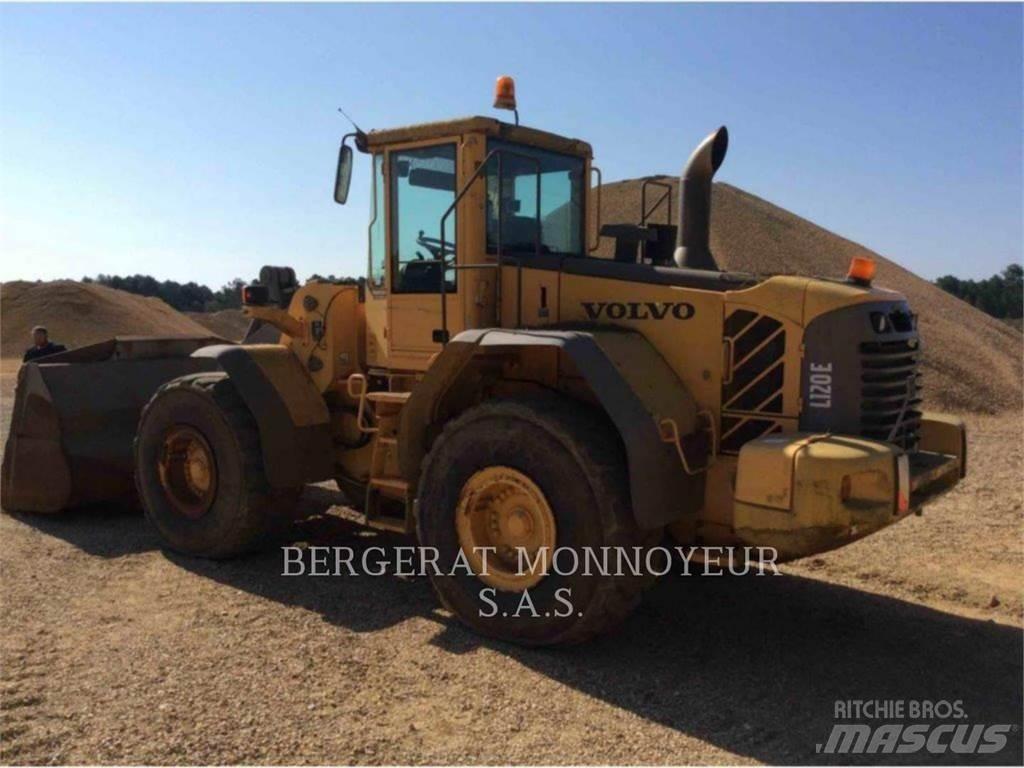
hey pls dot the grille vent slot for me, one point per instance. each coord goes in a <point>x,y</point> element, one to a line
<point>891,391</point>
<point>754,394</point>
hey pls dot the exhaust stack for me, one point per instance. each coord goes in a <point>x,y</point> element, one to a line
<point>692,236</point>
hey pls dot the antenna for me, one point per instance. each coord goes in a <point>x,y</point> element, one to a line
<point>360,136</point>
<point>345,114</point>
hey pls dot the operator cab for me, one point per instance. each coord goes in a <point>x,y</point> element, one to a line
<point>454,206</point>
<point>531,196</point>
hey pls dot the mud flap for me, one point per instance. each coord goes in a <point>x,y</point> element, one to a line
<point>293,420</point>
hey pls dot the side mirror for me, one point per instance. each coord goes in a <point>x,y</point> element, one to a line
<point>344,175</point>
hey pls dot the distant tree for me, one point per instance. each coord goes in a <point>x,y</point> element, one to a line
<point>191,296</point>
<point>333,279</point>
<point>185,297</point>
<point>1001,295</point>
<point>1013,278</point>
<point>228,297</point>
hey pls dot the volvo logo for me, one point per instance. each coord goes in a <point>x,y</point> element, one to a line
<point>638,310</point>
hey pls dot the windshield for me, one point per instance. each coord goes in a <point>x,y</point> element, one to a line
<point>515,201</point>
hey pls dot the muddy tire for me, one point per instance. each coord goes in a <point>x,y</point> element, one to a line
<point>574,458</point>
<point>199,470</point>
<point>354,490</point>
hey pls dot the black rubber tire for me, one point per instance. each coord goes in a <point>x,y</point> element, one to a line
<point>577,460</point>
<point>246,513</point>
<point>354,490</point>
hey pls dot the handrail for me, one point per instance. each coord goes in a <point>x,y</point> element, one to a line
<point>358,393</point>
<point>519,273</point>
<point>644,213</point>
<point>597,216</point>
<point>670,434</point>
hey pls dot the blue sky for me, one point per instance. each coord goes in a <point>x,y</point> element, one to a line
<point>199,142</point>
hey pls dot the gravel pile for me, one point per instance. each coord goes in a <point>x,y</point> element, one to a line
<point>229,324</point>
<point>77,314</point>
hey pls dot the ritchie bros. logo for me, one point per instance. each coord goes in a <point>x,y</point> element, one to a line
<point>929,729</point>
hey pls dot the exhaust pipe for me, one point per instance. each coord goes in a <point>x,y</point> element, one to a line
<point>692,236</point>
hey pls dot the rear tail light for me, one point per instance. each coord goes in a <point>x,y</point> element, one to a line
<point>255,295</point>
<point>902,484</point>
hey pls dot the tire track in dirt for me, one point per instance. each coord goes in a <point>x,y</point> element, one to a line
<point>30,731</point>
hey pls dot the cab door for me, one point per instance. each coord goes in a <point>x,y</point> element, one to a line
<point>376,307</point>
<point>422,184</point>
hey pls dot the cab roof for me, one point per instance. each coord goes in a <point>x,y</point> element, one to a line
<point>488,126</point>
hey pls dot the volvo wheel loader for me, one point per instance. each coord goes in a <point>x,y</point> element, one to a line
<point>493,388</point>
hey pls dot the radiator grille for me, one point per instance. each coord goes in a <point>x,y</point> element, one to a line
<point>890,391</point>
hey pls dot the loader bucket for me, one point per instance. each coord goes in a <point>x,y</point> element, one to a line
<point>75,415</point>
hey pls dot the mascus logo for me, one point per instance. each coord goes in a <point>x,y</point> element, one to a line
<point>638,310</point>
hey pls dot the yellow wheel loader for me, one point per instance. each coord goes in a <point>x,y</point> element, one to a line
<point>494,389</point>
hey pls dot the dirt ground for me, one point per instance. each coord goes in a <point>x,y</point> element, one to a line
<point>114,651</point>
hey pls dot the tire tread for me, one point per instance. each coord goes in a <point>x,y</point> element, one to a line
<point>264,510</point>
<point>588,434</point>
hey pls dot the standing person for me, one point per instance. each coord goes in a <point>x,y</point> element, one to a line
<point>42,346</point>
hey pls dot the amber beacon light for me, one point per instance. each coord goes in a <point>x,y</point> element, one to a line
<point>862,270</point>
<point>505,93</point>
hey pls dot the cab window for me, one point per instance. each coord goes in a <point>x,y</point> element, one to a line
<point>378,257</point>
<point>422,189</point>
<point>560,222</point>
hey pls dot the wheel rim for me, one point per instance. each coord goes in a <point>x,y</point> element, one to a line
<point>502,509</point>
<point>188,472</point>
